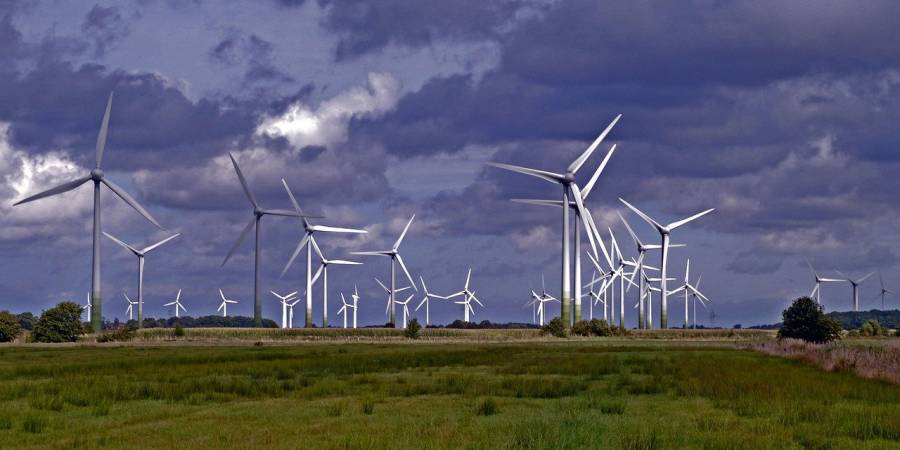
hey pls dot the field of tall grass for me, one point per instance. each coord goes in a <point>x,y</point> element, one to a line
<point>878,359</point>
<point>572,394</point>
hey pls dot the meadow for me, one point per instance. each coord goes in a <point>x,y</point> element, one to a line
<point>598,393</point>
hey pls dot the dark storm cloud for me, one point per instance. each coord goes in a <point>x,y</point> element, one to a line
<point>370,26</point>
<point>104,26</point>
<point>252,52</point>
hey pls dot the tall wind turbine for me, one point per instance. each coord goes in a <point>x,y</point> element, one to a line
<point>817,290</point>
<point>284,299</point>
<point>690,290</point>
<point>130,309</point>
<point>855,284</point>
<point>224,305</point>
<point>345,307</point>
<point>884,290</point>
<point>427,301</point>
<point>405,304</point>
<point>567,181</point>
<point>394,254</point>
<point>468,296</point>
<point>355,298</point>
<point>177,304</point>
<point>323,271</point>
<point>664,232</point>
<point>255,222</point>
<point>96,175</point>
<point>389,310</point>
<point>140,256</point>
<point>308,231</point>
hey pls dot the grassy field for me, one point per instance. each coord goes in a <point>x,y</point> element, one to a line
<point>573,394</point>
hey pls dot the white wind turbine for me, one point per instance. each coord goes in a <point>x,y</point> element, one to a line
<point>291,310</point>
<point>255,221</point>
<point>323,271</point>
<point>394,254</point>
<point>284,299</point>
<point>390,297</point>
<point>691,290</point>
<point>582,215</point>
<point>855,284</point>
<point>540,301</point>
<point>468,296</point>
<point>308,231</point>
<point>664,231</point>
<point>224,305</point>
<point>405,304</point>
<point>177,304</point>
<point>427,301</point>
<point>817,290</point>
<point>130,309</point>
<point>87,306</point>
<point>594,297</point>
<point>97,177</point>
<point>884,291</point>
<point>345,309</point>
<point>567,181</point>
<point>140,256</point>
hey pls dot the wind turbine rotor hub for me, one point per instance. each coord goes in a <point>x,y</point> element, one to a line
<point>97,174</point>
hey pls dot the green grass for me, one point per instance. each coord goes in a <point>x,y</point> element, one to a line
<point>566,394</point>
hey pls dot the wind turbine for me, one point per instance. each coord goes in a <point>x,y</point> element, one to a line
<point>97,176</point>
<point>427,301</point>
<point>540,300</point>
<point>855,284</point>
<point>177,304</point>
<point>355,298</point>
<point>405,304</point>
<point>690,291</point>
<point>284,299</point>
<point>255,222</point>
<point>87,306</point>
<point>468,296</point>
<point>308,231</point>
<point>664,231</point>
<point>140,256</point>
<point>344,309</point>
<point>884,290</point>
<point>567,181</point>
<point>390,299</point>
<point>394,254</point>
<point>224,305</point>
<point>291,311</point>
<point>130,309</point>
<point>817,290</point>
<point>323,271</point>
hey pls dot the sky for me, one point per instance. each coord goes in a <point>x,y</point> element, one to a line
<point>782,116</point>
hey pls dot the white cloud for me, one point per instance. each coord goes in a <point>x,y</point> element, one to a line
<point>535,237</point>
<point>326,124</point>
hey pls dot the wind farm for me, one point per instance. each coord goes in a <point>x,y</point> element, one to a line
<point>501,225</point>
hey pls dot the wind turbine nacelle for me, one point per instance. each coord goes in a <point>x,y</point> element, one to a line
<point>96,174</point>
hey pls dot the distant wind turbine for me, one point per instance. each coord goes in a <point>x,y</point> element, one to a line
<point>98,177</point>
<point>817,290</point>
<point>884,291</point>
<point>394,254</point>
<point>284,299</point>
<point>224,305</point>
<point>130,309</point>
<point>855,284</point>
<point>468,296</point>
<point>177,304</point>
<point>426,300</point>
<point>323,271</point>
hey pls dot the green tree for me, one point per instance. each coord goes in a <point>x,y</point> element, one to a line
<point>412,329</point>
<point>871,327</point>
<point>805,320</point>
<point>62,323</point>
<point>9,326</point>
<point>556,327</point>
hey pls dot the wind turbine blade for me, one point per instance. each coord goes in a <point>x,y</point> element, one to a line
<point>178,296</point>
<point>65,187</point>
<point>243,181</point>
<point>403,234</point>
<point>104,131</point>
<point>584,216</point>
<point>599,239</point>
<point>380,253</point>
<point>587,153</point>
<point>295,204</point>
<point>533,201</point>
<point>382,285</point>
<point>318,273</point>
<point>646,218</point>
<point>681,222</point>
<point>468,277</point>
<point>634,236</point>
<point>542,174</point>
<point>222,294</point>
<point>344,262</point>
<point>297,250</point>
<point>154,246</point>
<point>117,241</point>
<point>131,202</point>
<point>240,239</point>
<point>315,246</point>
<point>328,229</point>
<point>221,306</point>
<point>406,271</point>
<point>590,185</point>
<point>283,212</point>
<point>865,277</point>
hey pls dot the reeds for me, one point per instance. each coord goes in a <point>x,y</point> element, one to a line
<point>868,361</point>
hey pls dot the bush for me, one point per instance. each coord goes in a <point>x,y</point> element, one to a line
<point>487,407</point>
<point>871,327</point>
<point>582,328</point>
<point>600,328</point>
<point>412,329</point>
<point>121,334</point>
<point>179,330</point>
<point>805,320</point>
<point>62,323</point>
<point>555,327</point>
<point>9,326</point>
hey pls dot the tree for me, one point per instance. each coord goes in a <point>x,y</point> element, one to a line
<point>805,320</point>
<point>871,327</point>
<point>9,326</point>
<point>412,329</point>
<point>62,323</point>
<point>555,327</point>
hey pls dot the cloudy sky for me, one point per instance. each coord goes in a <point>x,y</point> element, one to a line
<point>782,116</point>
